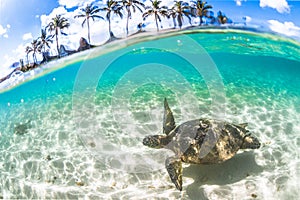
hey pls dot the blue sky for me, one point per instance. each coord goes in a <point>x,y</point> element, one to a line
<point>21,21</point>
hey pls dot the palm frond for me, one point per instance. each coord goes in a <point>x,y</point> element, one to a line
<point>65,34</point>
<point>81,15</point>
<point>84,21</point>
<point>96,16</point>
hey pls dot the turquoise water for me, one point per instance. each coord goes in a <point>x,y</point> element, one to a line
<point>75,130</point>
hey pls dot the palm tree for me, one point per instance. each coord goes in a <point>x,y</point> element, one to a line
<point>134,4</point>
<point>27,51</point>
<point>33,49</point>
<point>157,11</point>
<point>211,18</point>
<point>57,24</point>
<point>179,10</point>
<point>112,7</point>
<point>89,12</point>
<point>222,19</point>
<point>172,14</point>
<point>201,9</point>
<point>45,40</point>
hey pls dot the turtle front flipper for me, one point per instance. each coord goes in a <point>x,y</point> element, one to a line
<point>174,168</point>
<point>168,120</point>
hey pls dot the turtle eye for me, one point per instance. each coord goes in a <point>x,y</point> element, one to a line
<point>203,124</point>
<point>146,141</point>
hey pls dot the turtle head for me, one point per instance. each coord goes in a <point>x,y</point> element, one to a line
<point>154,141</point>
<point>250,142</point>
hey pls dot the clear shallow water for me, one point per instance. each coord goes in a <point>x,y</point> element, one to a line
<point>84,122</point>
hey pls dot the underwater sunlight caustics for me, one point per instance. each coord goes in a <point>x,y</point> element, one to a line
<point>201,141</point>
<point>81,127</point>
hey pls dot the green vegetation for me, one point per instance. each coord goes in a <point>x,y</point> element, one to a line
<point>179,12</point>
<point>33,49</point>
<point>57,24</point>
<point>89,12</point>
<point>222,19</point>
<point>156,10</point>
<point>112,7</point>
<point>132,4</point>
<point>201,9</point>
<point>44,41</point>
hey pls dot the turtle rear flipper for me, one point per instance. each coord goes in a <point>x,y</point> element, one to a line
<point>174,168</point>
<point>250,142</point>
<point>168,120</point>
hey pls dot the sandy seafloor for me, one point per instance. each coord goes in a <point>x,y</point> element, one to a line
<point>82,125</point>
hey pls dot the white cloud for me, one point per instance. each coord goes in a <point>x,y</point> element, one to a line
<point>7,61</point>
<point>75,31</point>
<point>247,19</point>
<point>45,19</point>
<point>27,36</point>
<point>168,3</point>
<point>280,5</point>
<point>73,3</point>
<point>286,28</point>
<point>21,49</point>
<point>10,58</point>
<point>98,28</point>
<point>2,30</point>
<point>239,2</point>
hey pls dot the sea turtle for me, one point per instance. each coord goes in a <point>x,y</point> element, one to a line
<point>200,141</point>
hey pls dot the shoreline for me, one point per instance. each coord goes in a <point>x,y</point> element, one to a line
<point>138,37</point>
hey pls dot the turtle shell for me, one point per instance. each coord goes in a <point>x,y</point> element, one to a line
<point>206,141</point>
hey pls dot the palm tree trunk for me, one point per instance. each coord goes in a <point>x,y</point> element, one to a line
<point>179,21</point>
<point>127,22</point>
<point>156,22</point>
<point>27,59</point>
<point>88,25</point>
<point>56,37</point>
<point>174,21</point>
<point>109,29</point>
<point>44,54</point>
<point>201,21</point>
<point>33,58</point>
